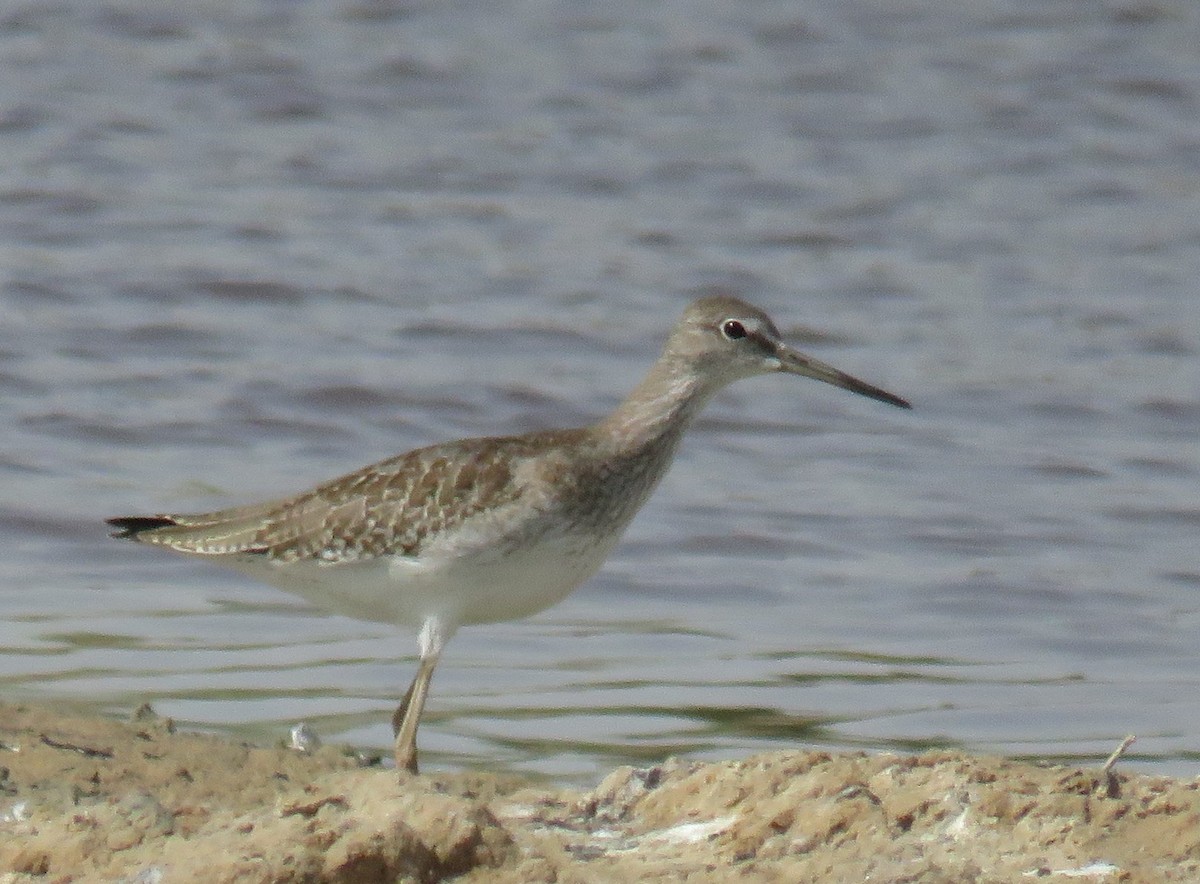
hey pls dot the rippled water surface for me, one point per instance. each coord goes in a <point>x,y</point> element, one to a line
<point>250,246</point>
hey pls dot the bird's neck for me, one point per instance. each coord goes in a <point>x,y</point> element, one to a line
<point>659,409</point>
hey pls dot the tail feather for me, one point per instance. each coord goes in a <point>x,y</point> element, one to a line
<point>209,534</point>
<point>130,527</point>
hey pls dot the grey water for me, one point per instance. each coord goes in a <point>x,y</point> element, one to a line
<point>247,247</point>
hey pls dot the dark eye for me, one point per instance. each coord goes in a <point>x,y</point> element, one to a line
<point>733,329</point>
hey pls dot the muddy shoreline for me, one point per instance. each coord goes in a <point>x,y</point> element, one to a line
<point>95,799</point>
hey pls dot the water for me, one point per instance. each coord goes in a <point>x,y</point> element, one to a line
<point>247,247</point>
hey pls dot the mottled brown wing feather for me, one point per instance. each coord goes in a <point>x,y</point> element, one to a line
<point>394,506</point>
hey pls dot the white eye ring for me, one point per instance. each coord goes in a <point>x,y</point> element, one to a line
<point>733,330</point>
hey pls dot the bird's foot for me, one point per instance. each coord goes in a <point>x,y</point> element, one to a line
<point>406,759</point>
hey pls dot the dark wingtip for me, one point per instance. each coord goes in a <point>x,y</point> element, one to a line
<point>129,527</point>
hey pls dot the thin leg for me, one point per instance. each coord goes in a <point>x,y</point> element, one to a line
<point>398,715</point>
<point>408,715</point>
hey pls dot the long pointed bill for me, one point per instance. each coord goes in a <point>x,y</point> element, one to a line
<point>795,362</point>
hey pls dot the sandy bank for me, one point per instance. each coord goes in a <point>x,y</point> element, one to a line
<point>90,799</point>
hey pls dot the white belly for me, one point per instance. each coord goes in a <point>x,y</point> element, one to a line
<point>457,590</point>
